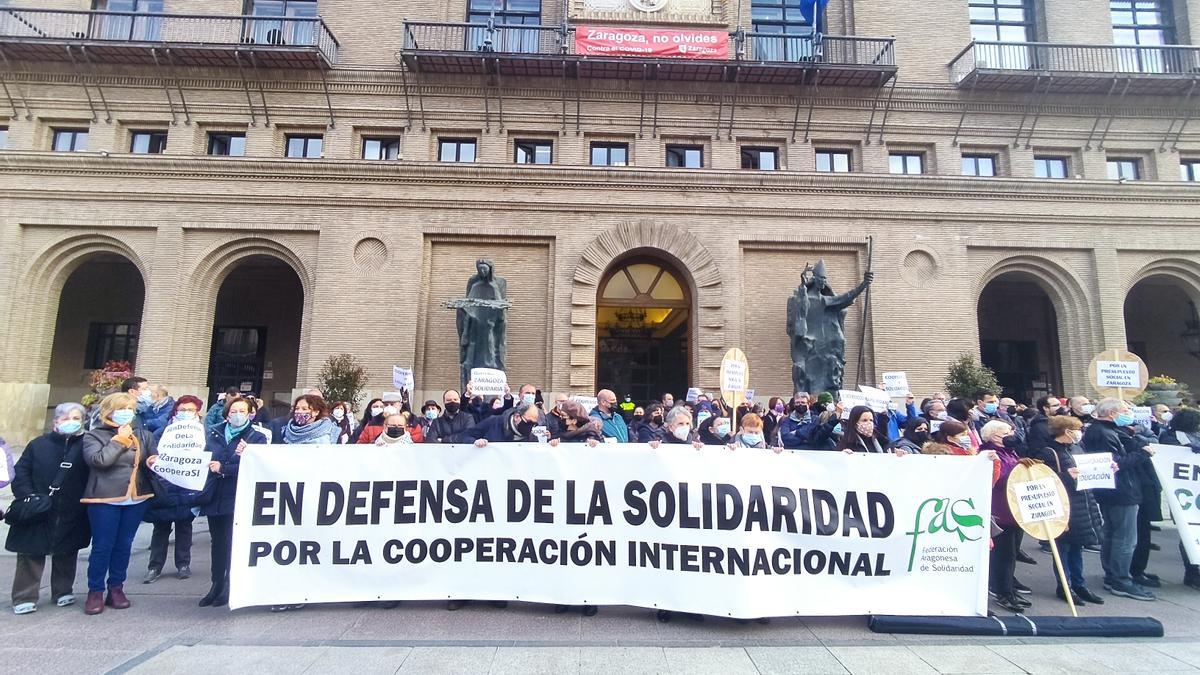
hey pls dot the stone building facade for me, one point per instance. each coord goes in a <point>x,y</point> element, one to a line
<point>180,232</point>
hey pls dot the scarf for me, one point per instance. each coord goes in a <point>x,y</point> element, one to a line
<point>231,432</point>
<point>320,431</point>
<point>384,439</point>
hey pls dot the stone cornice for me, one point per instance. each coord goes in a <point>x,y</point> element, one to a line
<point>583,177</point>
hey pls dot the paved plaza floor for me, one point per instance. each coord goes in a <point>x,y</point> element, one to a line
<point>166,632</point>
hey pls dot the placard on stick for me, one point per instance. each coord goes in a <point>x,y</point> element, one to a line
<point>488,382</point>
<point>1118,373</point>
<point>735,377</point>
<point>1039,504</point>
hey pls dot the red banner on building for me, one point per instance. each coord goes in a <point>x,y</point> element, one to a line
<point>653,42</point>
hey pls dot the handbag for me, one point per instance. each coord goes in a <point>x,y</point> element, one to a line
<point>35,508</point>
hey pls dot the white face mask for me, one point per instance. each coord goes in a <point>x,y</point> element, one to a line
<point>1076,436</point>
<point>1087,409</point>
<point>682,432</point>
<point>390,410</point>
<point>376,410</point>
<point>338,414</point>
<point>1166,417</point>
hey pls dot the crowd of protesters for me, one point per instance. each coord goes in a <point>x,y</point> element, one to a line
<point>96,468</point>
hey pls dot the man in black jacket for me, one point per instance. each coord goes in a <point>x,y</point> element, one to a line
<point>448,427</point>
<point>1038,437</point>
<point>1111,431</point>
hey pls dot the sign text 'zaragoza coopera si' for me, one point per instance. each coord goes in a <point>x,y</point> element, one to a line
<point>732,533</point>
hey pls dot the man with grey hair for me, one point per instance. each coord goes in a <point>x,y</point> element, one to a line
<point>1111,431</point>
<point>514,425</point>
<point>610,417</point>
<point>1082,408</point>
<point>158,413</point>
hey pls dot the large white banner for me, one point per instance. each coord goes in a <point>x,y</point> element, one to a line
<point>740,533</point>
<point>1178,470</point>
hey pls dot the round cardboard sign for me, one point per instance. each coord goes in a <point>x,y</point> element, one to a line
<point>735,377</point>
<point>1117,356</point>
<point>1038,500</point>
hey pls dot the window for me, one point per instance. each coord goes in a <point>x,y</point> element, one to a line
<point>979,165</point>
<point>125,27</point>
<point>1050,167</point>
<point>227,144</point>
<point>833,161</point>
<point>70,140</point>
<point>3,138</point>
<point>533,152</point>
<point>456,149</point>
<point>778,16</point>
<point>1124,168</point>
<point>906,162</point>
<point>1143,23</point>
<point>111,342</point>
<point>527,12</point>
<point>1189,170</point>
<point>504,13</point>
<point>610,154</point>
<point>763,159</point>
<point>685,156</point>
<point>1010,21</point>
<point>301,30</point>
<point>148,142</point>
<point>304,146</point>
<point>380,148</point>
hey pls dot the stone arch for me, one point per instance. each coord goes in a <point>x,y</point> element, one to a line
<point>1157,320</point>
<point>697,268</point>
<point>208,274</point>
<point>1186,272</point>
<point>43,278</point>
<point>1078,327</point>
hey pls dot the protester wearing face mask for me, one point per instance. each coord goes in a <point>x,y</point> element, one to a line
<point>158,410</point>
<point>773,417</point>
<point>897,417</point>
<point>514,426</point>
<point>916,434</point>
<point>372,423</point>
<point>172,506</point>
<point>677,424</point>
<point>65,530</point>
<point>395,431</point>
<point>310,423</point>
<point>117,493</point>
<point>717,430</point>
<point>861,434</point>
<point>639,419</point>
<point>653,429</point>
<point>1085,524</point>
<point>610,418</point>
<point>1003,584</point>
<point>449,427</point>
<point>341,415</point>
<point>751,434</point>
<point>429,412</point>
<point>575,426</point>
<point>1110,431</point>
<point>227,442</point>
<point>1083,409</point>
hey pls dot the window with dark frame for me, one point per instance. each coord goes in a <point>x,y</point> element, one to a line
<point>834,161</point>
<point>533,152</point>
<point>1002,21</point>
<point>760,158</point>
<point>907,163</point>
<point>227,144</point>
<point>979,165</point>
<point>111,342</point>
<point>685,156</point>
<point>307,146</point>
<point>1142,22</point>
<point>508,12</point>
<point>1124,168</point>
<point>147,142</point>
<point>610,154</point>
<point>380,148</point>
<point>1189,170</point>
<point>456,149</point>
<point>778,16</point>
<point>3,137</point>
<point>1047,166</point>
<point>70,140</point>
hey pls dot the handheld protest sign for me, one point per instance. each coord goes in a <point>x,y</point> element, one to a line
<point>735,378</point>
<point>1118,373</point>
<point>1038,501</point>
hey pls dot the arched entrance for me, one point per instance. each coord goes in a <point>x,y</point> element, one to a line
<point>1162,327</point>
<point>643,329</point>
<point>256,330</point>
<point>1019,336</point>
<point>99,320</point>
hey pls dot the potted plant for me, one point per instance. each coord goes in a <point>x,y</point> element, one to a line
<point>1165,390</point>
<point>106,380</point>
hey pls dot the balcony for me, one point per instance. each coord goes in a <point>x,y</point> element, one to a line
<point>124,38</point>
<point>1076,69</point>
<point>549,51</point>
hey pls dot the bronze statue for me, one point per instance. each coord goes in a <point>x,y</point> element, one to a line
<point>816,324</point>
<point>482,321</point>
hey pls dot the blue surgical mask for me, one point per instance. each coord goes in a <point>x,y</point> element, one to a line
<point>528,399</point>
<point>431,414</point>
<point>700,417</point>
<point>185,416</point>
<point>837,428</point>
<point>237,420</point>
<point>720,430</point>
<point>991,408</point>
<point>752,439</point>
<point>69,427</point>
<point>145,397</point>
<point>122,417</point>
<point>1124,420</point>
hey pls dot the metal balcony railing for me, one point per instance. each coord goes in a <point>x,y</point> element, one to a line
<point>554,41</point>
<point>167,30</point>
<point>1074,59</point>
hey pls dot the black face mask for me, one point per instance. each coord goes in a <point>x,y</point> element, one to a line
<point>919,437</point>
<point>1012,410</point>
<point>1061,411</point>
<point>452,408</point>
<point>657,419</point>
<point>639,417</point>
<point>1011,442</point>
<point>524,428</point>
<point>395,432</point>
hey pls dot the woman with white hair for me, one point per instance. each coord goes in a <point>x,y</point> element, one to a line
<point>52,465</point>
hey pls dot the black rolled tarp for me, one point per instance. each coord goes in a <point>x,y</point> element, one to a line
<point>1020,626</point>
